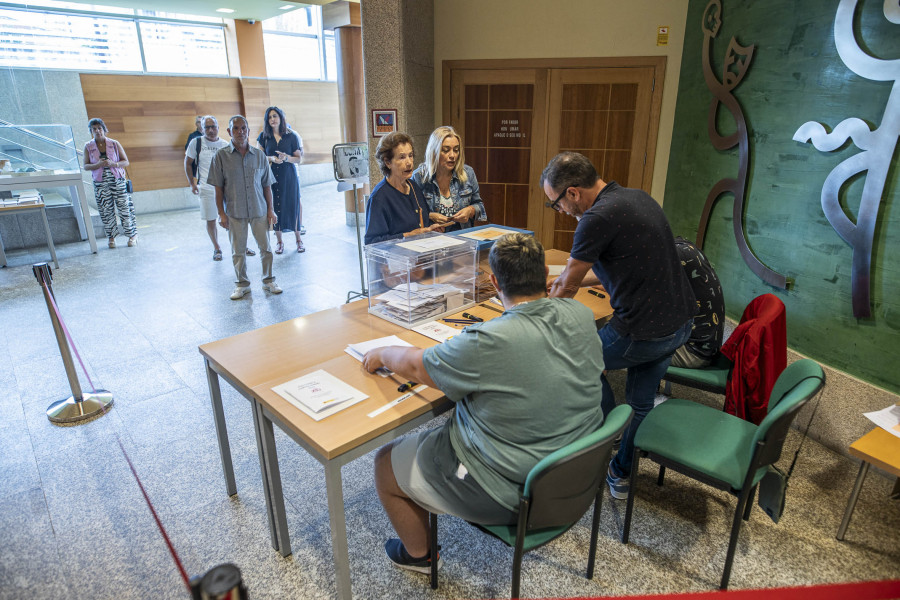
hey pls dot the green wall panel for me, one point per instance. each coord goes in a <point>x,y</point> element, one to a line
<point>795,76</point>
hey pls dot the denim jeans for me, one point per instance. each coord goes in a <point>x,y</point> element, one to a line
<point>646,361</point>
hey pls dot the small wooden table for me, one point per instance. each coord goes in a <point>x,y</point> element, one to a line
<point>15,208</point>
<point>879,448</point>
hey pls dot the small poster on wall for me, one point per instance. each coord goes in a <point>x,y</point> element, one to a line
<point>351,161</point>
<point>384,121</point>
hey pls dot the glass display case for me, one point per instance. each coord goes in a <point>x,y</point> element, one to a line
<point>29,150</point>
<point>44,158</point>
<point>485,236</point>
<point>419,279</point>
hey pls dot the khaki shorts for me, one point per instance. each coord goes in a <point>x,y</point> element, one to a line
<point>427,471</point>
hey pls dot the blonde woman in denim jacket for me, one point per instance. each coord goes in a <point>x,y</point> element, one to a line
<point>449,185</point>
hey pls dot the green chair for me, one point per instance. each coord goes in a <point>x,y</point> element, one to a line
<point>712,378</point>
<point>558,492</point>
<point>722,450</point>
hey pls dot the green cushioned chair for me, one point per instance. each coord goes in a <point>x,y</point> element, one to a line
<point>722,450</point>
<point>712,378</point>
<point>557,493</point>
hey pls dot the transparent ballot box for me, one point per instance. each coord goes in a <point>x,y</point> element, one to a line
<point>485,236</point>
<point>27,150</point>
<point>419,279</point>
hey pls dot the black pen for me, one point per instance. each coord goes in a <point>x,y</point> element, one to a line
<point>596,293</point>
<point>472,317</point>
<point>407,386</point>
<point>460,321</point>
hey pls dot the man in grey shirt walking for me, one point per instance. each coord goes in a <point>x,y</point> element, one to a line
<point>243,182</point>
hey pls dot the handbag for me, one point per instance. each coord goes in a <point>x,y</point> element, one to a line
<point>773,485</point>
<point>129,189</point>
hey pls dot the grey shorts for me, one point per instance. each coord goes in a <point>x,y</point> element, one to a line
<point>427,470</point>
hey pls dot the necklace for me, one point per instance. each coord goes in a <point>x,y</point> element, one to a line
<point>416,201</point>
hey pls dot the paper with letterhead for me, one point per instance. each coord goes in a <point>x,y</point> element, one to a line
<point>886,418</point>
<point>319,394</point>
<point>555,270</point>
<point>436,330</point>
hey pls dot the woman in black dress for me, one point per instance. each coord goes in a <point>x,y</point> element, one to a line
<point>283,148</point>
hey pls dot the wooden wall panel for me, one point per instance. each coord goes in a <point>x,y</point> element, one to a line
<point>152,116</point>
<point>311,108</point>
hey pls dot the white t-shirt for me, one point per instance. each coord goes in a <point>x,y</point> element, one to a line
<point>207,149</point>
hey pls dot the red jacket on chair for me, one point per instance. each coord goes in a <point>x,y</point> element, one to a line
<point>758,348</point>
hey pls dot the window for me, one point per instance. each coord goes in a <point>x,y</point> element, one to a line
<point>180,48</point>
<point>63,41</point>
<point>295,46</point>
<point>137,41</point>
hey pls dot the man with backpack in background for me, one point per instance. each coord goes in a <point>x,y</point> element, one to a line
<point>197,158</point>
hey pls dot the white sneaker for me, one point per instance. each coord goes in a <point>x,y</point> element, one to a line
<point>272,287</point>
<point>240,292</point>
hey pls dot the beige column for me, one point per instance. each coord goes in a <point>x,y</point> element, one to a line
<point>352,98</point>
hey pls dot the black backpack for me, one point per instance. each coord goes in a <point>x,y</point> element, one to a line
<point>196,162</point>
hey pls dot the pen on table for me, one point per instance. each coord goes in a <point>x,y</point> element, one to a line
<point>596,293</point>
<point>407,386</point>
<point>460,321</point>
<point>472,317</point>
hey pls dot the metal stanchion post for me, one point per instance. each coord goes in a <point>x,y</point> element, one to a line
<point>363,293</point>
<point>80,405</point>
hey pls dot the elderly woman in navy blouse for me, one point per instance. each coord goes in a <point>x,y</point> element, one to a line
<point>397,207</point>
<point>449,184</point>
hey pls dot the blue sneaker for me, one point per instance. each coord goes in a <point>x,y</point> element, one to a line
<point>400,557</point>
<point>618,486</point>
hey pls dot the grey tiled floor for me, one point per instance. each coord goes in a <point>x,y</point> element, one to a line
<point>74,524</point>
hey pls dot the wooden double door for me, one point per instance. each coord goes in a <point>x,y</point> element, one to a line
<point>514,116</point>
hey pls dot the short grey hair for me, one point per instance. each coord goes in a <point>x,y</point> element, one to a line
<point>235,118</point>
<point>205,117</point>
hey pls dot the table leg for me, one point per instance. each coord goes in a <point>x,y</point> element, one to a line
<point>334,487</point>
<point>271,475</point>
<point>49,237</point>
<point>854,496</point>
<point>78,190</point>
<point>215,397</point>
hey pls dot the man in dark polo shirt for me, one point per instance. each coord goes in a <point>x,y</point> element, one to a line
<point>624,237</point>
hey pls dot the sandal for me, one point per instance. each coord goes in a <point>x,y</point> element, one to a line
<point>279,248</point>
<point>132,241</point>
<point>300,247</point>
<point>112,243</point>
<point>217,255</point>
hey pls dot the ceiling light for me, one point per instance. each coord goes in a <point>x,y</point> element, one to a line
<point>286,7</point>
<point>225,10</point>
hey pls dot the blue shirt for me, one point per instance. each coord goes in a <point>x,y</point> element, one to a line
<point>391,213</point>
<point>243,179</point>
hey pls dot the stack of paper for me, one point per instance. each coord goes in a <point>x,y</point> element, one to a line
<point>358,351</point>
<point>414,301</point>
<point>436,330</point>
<point>319,394</point>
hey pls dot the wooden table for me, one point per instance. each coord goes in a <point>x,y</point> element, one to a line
<point>879,448</point>
<point>254,362</point>
<point>15,208</point>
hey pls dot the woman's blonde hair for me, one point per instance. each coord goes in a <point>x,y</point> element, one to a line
<point>433,152</point>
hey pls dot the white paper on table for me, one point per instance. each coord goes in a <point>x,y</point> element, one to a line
<point>433,243</point>
<point>319,394</point>
<point>555,270</point>
<point>436,330</point>
<point>886,418</point>
<point>358,350</point>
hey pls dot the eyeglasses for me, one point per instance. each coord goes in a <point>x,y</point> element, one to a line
<point>555,204</point>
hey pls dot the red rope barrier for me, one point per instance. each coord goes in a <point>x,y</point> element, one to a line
<point>62,324</point>
<point>162,530</point>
